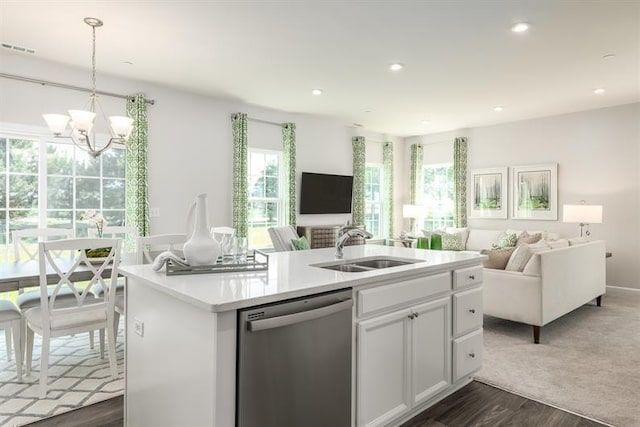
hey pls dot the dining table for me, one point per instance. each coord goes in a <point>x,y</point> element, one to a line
<point>18,275</point>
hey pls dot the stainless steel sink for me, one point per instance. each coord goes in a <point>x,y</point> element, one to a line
<point>381,263</point>
<point>352,268</point>
<point>360,265</point>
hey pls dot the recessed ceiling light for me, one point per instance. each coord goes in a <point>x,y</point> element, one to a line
<point>498,108</point>
<point>520,27</point>
<point>127,62</point>
<point>357,124</point>
<point>396,67</point>
<point>368,111</point>
<point>609,56</point>
<point>598,91</point>
<point>424,122</point>
<point>316,92</point>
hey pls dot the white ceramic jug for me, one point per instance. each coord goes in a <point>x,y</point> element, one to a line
<point>201,248</point>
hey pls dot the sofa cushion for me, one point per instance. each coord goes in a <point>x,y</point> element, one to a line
<point>453,241</point>
<point>533,267</point>
<point>498,258</point>
<point>525,237</point>
<point>505,240</point>
<point>522,254</point>
<point>482,239</point>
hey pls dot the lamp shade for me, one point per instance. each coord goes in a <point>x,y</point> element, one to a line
<point>412,211</point>
<point>57,122</point>
<point>584,214</point>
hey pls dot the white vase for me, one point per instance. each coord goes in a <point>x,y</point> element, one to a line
<point>201,248</point>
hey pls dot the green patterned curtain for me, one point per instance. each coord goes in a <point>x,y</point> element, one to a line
<point>137,171</point>
<point>240,184</point>
<point>415,177</point>
<point>460,178</point>
<point>289,149</point>
<point>387,176</point>
<point>358,179</point>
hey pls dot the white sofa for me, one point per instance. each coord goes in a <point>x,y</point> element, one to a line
<point>569,278</point>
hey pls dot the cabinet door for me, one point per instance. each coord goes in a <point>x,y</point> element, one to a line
<point>382,367</point>
<point>430,349</point>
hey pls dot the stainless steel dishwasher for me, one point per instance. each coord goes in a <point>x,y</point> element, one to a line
<point>294,363</point>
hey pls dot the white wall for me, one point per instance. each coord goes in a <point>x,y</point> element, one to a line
<point>598,156</point>
<point>190,137</point>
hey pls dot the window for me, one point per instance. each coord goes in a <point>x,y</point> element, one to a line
<point>373,199</point>
<point>438,196</point>
<point>50,184</point>
<point>266,201</point>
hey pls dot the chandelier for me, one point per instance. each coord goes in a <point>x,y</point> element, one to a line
<point>81,122</point>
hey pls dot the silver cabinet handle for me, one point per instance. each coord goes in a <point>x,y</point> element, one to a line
<point>472,355</point>
<point>472,277</point>
<point>472,311</point>
<point>411,316</point>
<point>416,314</point>
<point>290,319</point>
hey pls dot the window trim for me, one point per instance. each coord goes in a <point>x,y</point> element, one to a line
<point>383,225</point>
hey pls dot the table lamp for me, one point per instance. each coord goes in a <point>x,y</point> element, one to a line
<point>582,214</point>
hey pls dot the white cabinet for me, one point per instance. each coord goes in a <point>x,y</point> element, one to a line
<point>403,359</point>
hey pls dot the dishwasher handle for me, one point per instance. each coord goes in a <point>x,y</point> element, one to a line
<point>303,316</point>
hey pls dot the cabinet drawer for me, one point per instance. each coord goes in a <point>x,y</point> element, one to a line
<point>408,292</point>
<point>467,311</point>
<point>467,354</point>
<point>466,277</point>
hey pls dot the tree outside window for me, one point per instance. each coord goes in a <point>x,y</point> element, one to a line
<point>49,184</point>
<point>373,199</point>
<point>265,195</point>
<point>438,196</point>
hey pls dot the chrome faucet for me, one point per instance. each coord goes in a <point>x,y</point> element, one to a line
<point>347,234</point>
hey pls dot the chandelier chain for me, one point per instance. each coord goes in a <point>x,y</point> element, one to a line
<point>93,64</point>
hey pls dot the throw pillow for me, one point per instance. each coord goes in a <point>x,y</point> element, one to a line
<point>522,254</point>
<point>498,258</point>
<point>525,237</point>
<point>452,241</point>
<point>533,266</point>
<point>506,240</point>
<point>300,244</point>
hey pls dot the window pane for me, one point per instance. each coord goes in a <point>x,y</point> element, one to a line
<point>113,163</point>
<point>3,154</point>
<point>59,192</point>
<point>20,219</point>
<point>256,187</point>
<point>261,216</point>
<point>23,156</point>
<point>113,193</point>
<point>439,196</point>
<point>60,219</point>
<point>3,226</point>
<point>85,165</point>
<point>3,191</point>
<point>271,187</point>
<point>23,191</point>
<point>59,159</point>
<point>88,193</point>
<point>114,217</point>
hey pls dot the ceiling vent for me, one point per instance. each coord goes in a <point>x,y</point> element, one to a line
<point>18,48</point>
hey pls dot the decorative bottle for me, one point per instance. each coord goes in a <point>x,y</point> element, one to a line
<point>201,248</point>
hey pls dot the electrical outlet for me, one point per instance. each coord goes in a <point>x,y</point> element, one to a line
<point>154,212</point>
<point>138,327</point>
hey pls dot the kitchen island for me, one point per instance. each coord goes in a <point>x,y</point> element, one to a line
<point>417,332</point>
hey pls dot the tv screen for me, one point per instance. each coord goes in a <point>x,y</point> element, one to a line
<point>324,194</point>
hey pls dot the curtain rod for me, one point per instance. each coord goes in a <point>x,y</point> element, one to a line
<point>66,86</point>
<point>266,122</point>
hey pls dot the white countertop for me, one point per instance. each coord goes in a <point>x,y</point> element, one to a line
<point>290,276</point>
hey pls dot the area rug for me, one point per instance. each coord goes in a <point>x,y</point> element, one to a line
<point>587,362</point>
<point>77,377</point>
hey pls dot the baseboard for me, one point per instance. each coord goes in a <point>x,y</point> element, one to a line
<point>622,287</point>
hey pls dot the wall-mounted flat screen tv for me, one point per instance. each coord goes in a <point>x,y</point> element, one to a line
<point>325,194</point>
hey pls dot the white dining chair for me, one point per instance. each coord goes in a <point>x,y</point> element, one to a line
<point>87,315</point>
<point>221,233</point>
<point>129,237</point>
<point>11,322</point>
<point>25,245</point>
<point>149,246</point>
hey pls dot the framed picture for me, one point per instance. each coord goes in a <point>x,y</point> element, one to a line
<point>489,193</point>
<point>535,192</point>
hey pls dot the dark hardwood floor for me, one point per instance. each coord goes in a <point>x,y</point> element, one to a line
<point>474,405</point>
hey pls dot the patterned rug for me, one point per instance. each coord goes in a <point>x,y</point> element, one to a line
<point>77,377</point>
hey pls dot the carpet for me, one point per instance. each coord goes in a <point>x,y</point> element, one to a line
<point>587,362</point>
<point>77,377</point>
